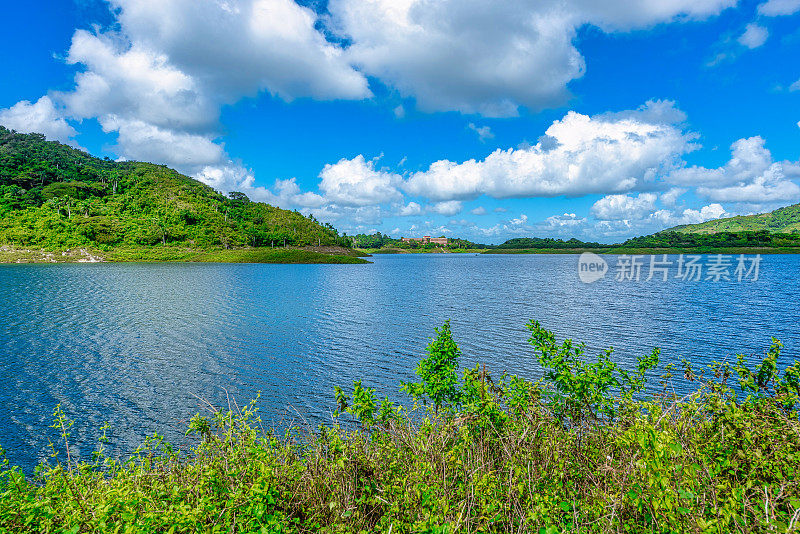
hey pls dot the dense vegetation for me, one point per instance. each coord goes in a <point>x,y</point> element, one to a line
<point>587,448</point>
<point>376,240</point>
<point>784,220</point>
<point>548,243</point>
<point>56,197</point>
<point>379,241</point>
<point>682,240</point>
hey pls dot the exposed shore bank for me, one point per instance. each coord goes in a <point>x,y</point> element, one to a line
<point>307,255</point>
<point>606,250</point>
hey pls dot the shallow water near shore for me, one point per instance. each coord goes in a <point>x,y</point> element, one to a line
<point>138,345</point>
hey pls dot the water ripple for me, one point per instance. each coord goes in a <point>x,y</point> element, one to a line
<point>135,344</point>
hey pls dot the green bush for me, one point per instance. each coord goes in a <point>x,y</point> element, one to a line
<point>438,372</point>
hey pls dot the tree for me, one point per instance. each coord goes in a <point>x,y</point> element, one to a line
<point>236,196</point>
<point>162,228</point>
<point>438,372</point>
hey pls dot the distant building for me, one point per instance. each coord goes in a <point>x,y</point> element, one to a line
<point>426,239</point>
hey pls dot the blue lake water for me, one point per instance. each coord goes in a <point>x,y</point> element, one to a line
<point>137,344</point>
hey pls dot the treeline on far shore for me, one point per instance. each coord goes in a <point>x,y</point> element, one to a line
<point>667,240</point>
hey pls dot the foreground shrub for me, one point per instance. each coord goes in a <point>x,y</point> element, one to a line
<point>581,450</point>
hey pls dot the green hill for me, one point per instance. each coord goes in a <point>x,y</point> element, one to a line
<point>55,197</point>
<point>784,220</point>
<point>777,231</point>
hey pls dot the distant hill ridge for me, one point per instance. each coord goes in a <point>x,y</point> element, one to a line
<point>55,196</point>
<point>778,230</point>
<point>783,220</point>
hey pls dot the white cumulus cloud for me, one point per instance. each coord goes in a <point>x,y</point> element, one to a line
<point>774,8</point>
<point>447,208</point>
<point>483,132</point>
<point>624,207</point>
<point>412,208</point>
<point>750,176</point>
<point>560,223</point>
<point>143,141</point>
<point>242,47</point>
<point>40,117</point>
<point>578,155</point>
<point>135,83</point>
<point>485,57</point>
<point>356,182</point>
<point>623,214</point>
<point>754,36</point>
<point>669,218</point>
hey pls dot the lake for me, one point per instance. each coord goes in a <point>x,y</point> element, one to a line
<point>138,345</point>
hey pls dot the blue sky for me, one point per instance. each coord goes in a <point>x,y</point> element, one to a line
<point>466,118</point>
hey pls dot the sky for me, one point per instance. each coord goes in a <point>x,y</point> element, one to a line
<point>477,119</point>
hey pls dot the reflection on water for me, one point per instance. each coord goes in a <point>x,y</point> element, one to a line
<point>136,344</point>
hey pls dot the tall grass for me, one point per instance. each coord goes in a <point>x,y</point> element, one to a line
<point>584,449</point>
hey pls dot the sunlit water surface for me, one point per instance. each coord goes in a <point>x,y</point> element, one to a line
<point>137,345</point>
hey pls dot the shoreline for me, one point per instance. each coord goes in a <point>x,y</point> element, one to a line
<point>562,454</point>
<point>314,255</point>
<point>307,255</point>
<point>630,251</point>
<point>654,251</point>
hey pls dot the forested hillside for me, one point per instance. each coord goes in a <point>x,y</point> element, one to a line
<point>779,228</point>
<point>54,196</point>
<point>688,240</point>
<point>784,220</point>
